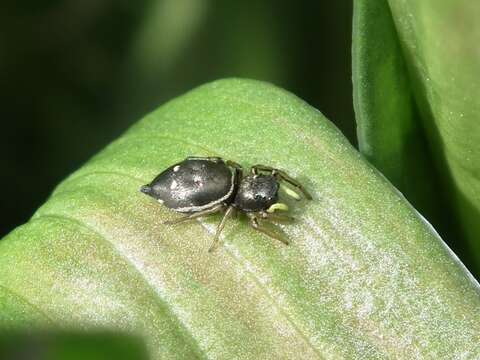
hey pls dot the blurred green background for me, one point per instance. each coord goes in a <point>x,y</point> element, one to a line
<point>76,74</point>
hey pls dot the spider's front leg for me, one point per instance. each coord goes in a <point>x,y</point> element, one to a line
<point>276,217</point>
<point>254,223</point>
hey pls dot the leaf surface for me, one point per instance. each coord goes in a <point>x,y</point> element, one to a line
<point>417,108</point>
<point>389,128</point>
<point>440,41</point>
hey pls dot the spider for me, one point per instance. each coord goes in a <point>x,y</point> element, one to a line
<point>199,186</point>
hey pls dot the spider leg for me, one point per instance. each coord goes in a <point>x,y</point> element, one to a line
<point>220,227</point>
<point>195,215</point>
<point>237,168</point>
<point>282,175</point>
<point>256,225</point>
<point>276,217</point>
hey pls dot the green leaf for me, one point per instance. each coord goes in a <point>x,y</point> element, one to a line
<point>389,128</point>
<point>71,346</point>
<point>417,108</point>
<point>440,40</point>
<point>365,275</point>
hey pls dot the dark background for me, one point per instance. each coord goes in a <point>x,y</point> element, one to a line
<point>76,73</point>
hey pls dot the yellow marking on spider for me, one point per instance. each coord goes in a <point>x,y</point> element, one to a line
<point>277,206</point>
<point>291,193</point>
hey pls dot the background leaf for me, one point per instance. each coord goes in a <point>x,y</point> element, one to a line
<point>419,126</point>
<point>389,128</point>
<point>439,39</point>
<point>365,275</point>
<point>71,346</point>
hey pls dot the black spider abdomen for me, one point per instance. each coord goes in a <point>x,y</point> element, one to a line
<point>193,185</point>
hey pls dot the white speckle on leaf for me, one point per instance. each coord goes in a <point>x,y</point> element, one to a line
<point>173,185</point>
<point>176,168</point>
